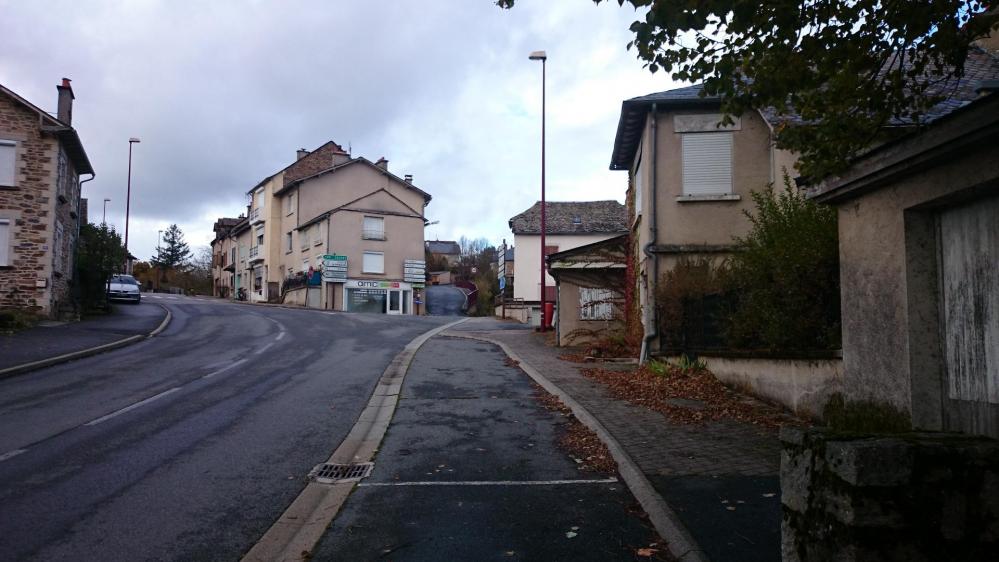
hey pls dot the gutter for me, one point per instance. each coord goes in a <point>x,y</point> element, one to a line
<point>652,325</point>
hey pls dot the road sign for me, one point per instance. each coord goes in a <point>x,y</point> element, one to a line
<point>334,257</point>
<point>502,281</point>
<point>419,285</point>
<point>415,263</point>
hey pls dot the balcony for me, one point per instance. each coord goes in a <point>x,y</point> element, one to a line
<point>372,234</point>
<point>256,255</point>
<point>256,215</point>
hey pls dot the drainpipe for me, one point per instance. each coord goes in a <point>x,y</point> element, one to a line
<point>75,276</point>
<point>652,325</point>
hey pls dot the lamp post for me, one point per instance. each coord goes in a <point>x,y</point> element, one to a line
<point>159,238</point>
<point>104,218</point>
<point>543,57</point>
<point>128,195</point>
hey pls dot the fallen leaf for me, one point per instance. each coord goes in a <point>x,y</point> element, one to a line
<point>645,552</point>
<point>570,535</point>
<point>769,495</point>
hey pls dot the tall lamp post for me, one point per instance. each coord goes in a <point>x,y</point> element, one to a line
<point>128,196</point>
<point>543,57</point>
<point>159,238</point>
<point>104,219</point>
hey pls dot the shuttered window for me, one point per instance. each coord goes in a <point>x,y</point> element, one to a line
<point>707,163</point>
<point>4,242</point>
<point>595,304</point>
<point>374,262</point>
<point>7,163</point>
<point>373,228</point>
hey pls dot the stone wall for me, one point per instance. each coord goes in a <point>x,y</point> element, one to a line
<point>30,206</point>
<point>912,496</point>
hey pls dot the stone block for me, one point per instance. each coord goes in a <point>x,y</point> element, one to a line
<point>796,480</point>
<point>869,462</point>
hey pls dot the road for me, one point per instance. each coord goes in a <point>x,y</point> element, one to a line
<point>189,445</point>
<point>445,300</point>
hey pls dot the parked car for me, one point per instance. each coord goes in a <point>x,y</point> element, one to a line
<point>124,288</point>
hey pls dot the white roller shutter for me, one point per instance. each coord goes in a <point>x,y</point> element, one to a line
<point>7,163</point>
<point>707,164</point>
<point>4,242</point>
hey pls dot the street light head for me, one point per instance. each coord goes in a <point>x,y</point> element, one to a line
<point>134,139</point>
<point>106,199</point>
<point>538,55</point>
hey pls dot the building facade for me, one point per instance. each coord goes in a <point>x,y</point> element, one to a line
<point>41,161</point>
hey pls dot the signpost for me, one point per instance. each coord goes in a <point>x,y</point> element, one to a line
<point>415,272</point>
<point>334,268</point>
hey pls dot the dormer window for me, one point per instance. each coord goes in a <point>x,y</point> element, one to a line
<point>577,220</point>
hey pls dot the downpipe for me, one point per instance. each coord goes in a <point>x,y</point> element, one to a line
<point>652,331</point>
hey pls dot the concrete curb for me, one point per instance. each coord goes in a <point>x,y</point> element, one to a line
<point>666,522</point>
<point>302,525</point>
<point>73,355</point>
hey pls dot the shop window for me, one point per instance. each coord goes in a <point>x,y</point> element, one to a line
<point>374,262</point>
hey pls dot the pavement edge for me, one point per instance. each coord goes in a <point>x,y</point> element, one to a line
<point>303,523</point>
<point>73,355</point>
<point>666,522</point>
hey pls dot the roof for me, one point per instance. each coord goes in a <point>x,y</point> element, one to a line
<point>358,160</point>
<point>446,247</point>
<point>572,217</point>
<point>509,254</point>
<point>335,148</point>
<point>979,66</point>
<point>65,133</point>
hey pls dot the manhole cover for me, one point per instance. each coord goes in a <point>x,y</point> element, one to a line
<point>330,473</point>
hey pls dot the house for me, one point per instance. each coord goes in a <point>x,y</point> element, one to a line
<point>444,253</point>
<point>590,284</point>
<point>332,231</point>
<point>224,257</point>
<point>569,224</point>
<point>41,161</point>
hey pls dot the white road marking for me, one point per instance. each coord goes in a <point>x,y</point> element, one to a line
<point>12,454</point>
<point>224,369</point>
<point>103,419</point>
<point>263,349</point>
<point>279,336</point>
<point>493,483</point>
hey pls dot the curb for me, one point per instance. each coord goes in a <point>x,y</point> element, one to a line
<point>680,542</point>
<point>305,521</point>
<point>73,355</point>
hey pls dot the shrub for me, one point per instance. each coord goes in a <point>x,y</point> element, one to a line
<point>687,294</point>
<point>785,275</point>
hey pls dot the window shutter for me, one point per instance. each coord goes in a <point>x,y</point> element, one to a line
<point>707,164</point>
<point>4,242</point>
<point>374,262</point>
<point>7,162</point>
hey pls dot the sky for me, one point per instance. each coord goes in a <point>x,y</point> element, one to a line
<point>222,94</point>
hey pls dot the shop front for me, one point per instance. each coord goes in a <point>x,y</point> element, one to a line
<point>379,297</point>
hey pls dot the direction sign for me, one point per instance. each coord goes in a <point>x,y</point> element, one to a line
<point>334,257</point>
<point>415,271</point>
<point>412,263</point>
<point>502,283</point>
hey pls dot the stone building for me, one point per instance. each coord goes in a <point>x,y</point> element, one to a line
<point>41,160</point>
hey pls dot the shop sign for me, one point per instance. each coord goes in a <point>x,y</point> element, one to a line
<point>377,285</point>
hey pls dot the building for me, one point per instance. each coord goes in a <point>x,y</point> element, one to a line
<point>444,253</point>
<point>590,285</point>
<point>225,252</point>
<point>569,224</point>
<point>335,232</point>
<point>41,161</point>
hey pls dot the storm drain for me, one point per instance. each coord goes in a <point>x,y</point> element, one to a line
<point>331,473</point>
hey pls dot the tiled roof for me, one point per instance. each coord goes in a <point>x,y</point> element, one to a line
<point>979,66</point>
<point>572,217</point>
<point>445,247</point>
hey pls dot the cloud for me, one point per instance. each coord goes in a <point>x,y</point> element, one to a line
<point>223,93</point>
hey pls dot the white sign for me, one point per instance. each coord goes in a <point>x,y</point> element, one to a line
<point>415,271</point>
<point>415,263</point>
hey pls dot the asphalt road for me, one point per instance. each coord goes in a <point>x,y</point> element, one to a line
<point>469,470</point>
<point>445,300</point>
<point>187,446</point>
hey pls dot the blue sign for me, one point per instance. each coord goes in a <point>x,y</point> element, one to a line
<point>502,283</point>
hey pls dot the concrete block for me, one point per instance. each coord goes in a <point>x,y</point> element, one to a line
<point>881,462</point>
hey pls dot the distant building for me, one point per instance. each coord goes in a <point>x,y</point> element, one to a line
<point>41,160</point>
<point>447,250</point>
<point>224,257</point>
<point>569,224</point>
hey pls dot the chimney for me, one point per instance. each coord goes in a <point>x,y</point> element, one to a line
<point>408,178</point>
<point>382,163</point>
<point>66,97</point>
<point>302,153</point>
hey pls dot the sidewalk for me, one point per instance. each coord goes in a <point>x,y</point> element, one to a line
<point>719,478</point>
<point>50,343</point>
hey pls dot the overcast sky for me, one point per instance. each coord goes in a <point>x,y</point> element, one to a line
<point>223,93</point>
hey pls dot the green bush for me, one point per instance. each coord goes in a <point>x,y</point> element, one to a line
<point>785,275</point>
<point>100,254</point>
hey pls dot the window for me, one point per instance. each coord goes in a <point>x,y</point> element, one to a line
<point>258,279</point>
<point>595,304</point>
<point>303,237</point>
<point>707,163</point>
<point>373,229</point>
<point>260,235</point>
<point>374,262</point>
<point>639,172</point>
<point>287,242</point>
<point>4,242</point>
<point>58,250</point>
<point>260,199</point>
<point>289,204</point>
<point>233,258</point>
<point>317,236</point>
<point>305,265</point>
<point>8,161</point>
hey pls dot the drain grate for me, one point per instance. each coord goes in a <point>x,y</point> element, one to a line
<point>331,473</point>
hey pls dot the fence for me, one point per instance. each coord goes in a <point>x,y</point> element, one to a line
<point>700,326</point>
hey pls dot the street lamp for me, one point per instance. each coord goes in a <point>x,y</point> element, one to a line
<point>104,219</point>
<point>543,57</point>
<point>159,238</point>
<point>128,194</point>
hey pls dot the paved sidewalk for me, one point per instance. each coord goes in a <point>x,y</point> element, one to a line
<point>54,339</point>
<point>720,478</point>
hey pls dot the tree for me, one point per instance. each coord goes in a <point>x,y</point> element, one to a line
<point>100,253</point>
<point>837,71</point>
<point>174,252</point>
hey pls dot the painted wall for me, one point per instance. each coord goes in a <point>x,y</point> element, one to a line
<point>527,282</point>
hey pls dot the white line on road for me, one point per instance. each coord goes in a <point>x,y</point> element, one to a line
<point>263,349</point>
<point>493,483</point>
<point>12,454</point>
<point>103,419</point>
<point>224,369</point>
<point>279,336</point>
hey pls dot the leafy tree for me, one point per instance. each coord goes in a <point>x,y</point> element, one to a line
<point>174,252</point>
<point>100,254</point>
<point>845,68</point>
